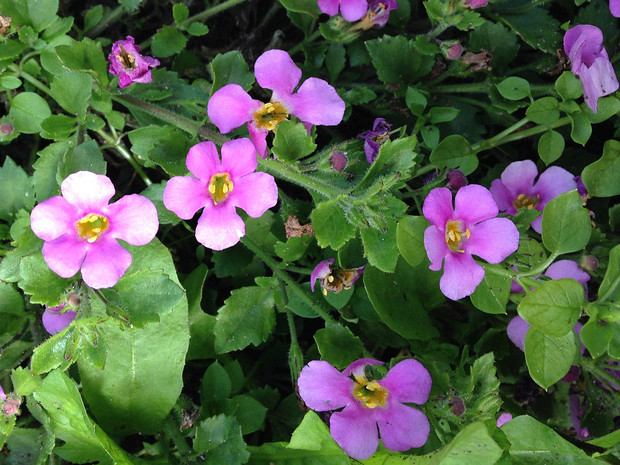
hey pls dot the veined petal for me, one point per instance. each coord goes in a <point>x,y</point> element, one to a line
<point>185,195</point>
<point>352,10</point>
<point>133,219</point>
<point>402,427</point>
<point>219,227</point>
<point>436,247</point>
<point>493,240</point>
<point>106,261</point>
<point>553,182</point>
<point>517,329</point>
<point>230,107</point>
<point>259,139</point>
<point>255,193</point>
<point>503,197</point>
<point>239,158</point>
<point>316,102</point>
<point>322,387</point>
<point>437,207</point>
<point>518,177</point>
<point>276,70</point>
<point>64,255</point>
<point>474,203</point>
<point>203,161</point>
<point>355,431</point>
<point>408,381</point>
<point>52,218</point>
<point>461,275</point>
<point>87,190</point>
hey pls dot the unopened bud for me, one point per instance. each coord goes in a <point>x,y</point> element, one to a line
<point>6,129</point>
<point>589,262</point>
<point>456,179</point>
<point>338,160</point>
<point>11,406</point>
<point>454,51</point>
<point>73,299</point>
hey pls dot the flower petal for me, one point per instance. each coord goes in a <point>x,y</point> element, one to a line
<point>352,10</point>
<point>517,329</point>
<point>614,7</point>
<point>133,219</point>
<point>355,431</point>
<point>437,207</point>
<point>553,182</point>
<point>329,7</point>
<point>219,227</point>
<point>518,177</point>
<point>436,247</point>
<point>503,197</point>
<point>230,107</point>
<point>322,387</point>
<point>52,218</point>
<point>106,261</point>
<point>203,161</point>
<point>316,102</point>
<point>357,367</point>
<point>582,43</point>
<point>276,70</point>
<point>567,269</point>
<point>87,191</point>
<point>473,204</point>
<point>461,276</point>
<point>239,158</point>
<point>408,381</point>
<point>320,271</point>
<point>55,322</point>
<point>64,255</point>
<point>402,427</point>
<point>259,139</point>
<point>185,195</point>
<point>493,240</point>
<point>255,193</point>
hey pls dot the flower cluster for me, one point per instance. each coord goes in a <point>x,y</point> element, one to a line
<point>127,63</point>
<point>369,403</point>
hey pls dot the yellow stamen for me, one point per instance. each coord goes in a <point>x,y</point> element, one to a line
<point>219,187</point>
<point>270,115</point>
<point>524,201</point>
<point>126,59</point>
<point>92,226</point>
<point>455,235</point>
<point>370,393</point>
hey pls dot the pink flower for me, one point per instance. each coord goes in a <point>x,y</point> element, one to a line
<point>503,419</point>
<point>368,403</point>
<point>473,4</point>
<point>55,320</point>
<point>333,278</point>
<point>2,394</point>
<point>351,10</point>
<point>516,188</point>
<point>81,230</point>
<point>314,103</point>
<point>127,63</point>
<point>614,7</point>
<point>220,187</point>
<point>470,228</point>
<point>589,61</point>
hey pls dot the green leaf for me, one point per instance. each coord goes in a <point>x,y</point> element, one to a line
<point>198,29</point>
<point>247,317</point>
<point>335,60</point>
<point>216,388</point>
<point>72,92</point>
<point>84,55</point>
<point>16,190</point>
<point>202,339</point>
<point>581,128</point>
<point>27,244</point>
<point>410,238</point>
<point>550,146</point>
<point>292,142</point>
<point>180,13</point>
<point>44,286</point>
<point>27,111</point>
<point>491,296</point>
<point>397,61</point>
<point>58,127</point>
<point>337,345</point>
<point>566,224</point>
<point>249,412</point>
<point>536,27</point>
<point>610,286</point>
<point>92,17</point>
<point>454,151</point>
<point>155,194</point>
<point>549,358</point>
<point>10,82</point>
<point>165,146</point>
<point>544,111</point>
<point>36,13</point>
<point>219,438</point>
<point>554,307</point>
<point>167,41</point>
<point>293,249</point>
<point>473,445</point>
<point>596,336</point>
<point>85,157</point>
<point>230,68</point>
<point>12,312</point>
<point>602,178</point>
<point>46,169</point>
<point>11,49</point>
<point>309,7</point>
<point>416,101</point>
<point>498,39</point>
<point>514,88</point>
<point>568,86</point>
<point>330,224</point>
<point>443,114</point>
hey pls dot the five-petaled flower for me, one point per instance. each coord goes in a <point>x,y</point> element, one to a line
<point>374,139</point>
<point>351,10</point>
<point>127,63</point>
<point>516,188</point>
<point>314,103</point>
<point>457,233</point>
<point>81,230</point>
<point>55,320</point>
<point>368,403</point>
<point>220,187</point>
<point>333,278</point>
<point>589,61</point>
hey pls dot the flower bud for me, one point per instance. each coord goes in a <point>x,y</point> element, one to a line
<point>338,160</point>
<point>588,262</point>
<point>6,129</point>
<point>456,179</point>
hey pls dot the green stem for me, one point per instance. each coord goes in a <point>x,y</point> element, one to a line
<point>424,170</point>
<point>292,51</point>
<point>494,141</point>
<point>540,268</point>
<point>110,17</point>
<point>170,427</point>
<point>31,79</point>
<point>214,10</point>
<point>280,274</point>
<point>120,148</point>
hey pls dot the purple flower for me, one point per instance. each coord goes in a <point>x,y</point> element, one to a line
<point>503,419</point>
<point>560,270</point>
<point>576,414</point>
<point>473,4</point>
<point>374,139</point>
<point>456,179</point>
<point>351,10</point>
<point>516,188</point>
<point>314,103</point>
<point>589,61</point>
<point>334,279</point>
<point>81,230</point>
<point>369,402</point>
<point>377,15</point>
<point>2,394</point>
<point>220,187</point>
<point>457,233</point>
<point>127,63</point>
<point>614,7</point>
<point>55,320</point>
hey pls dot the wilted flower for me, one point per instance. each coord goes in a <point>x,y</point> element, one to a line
<point>55,320</point>
<point>334,279</point>
<point>374,139</point>
<point>369,402</point>
<point>127,63</point>
<point>314,103</point>
<point>219,187</point>
<point>351,10</point>
<point>457,233</point>
<point>516,188</point>
<point>81,230</point>
<point>589,61</point>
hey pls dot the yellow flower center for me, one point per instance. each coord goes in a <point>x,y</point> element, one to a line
<point>370,393</point>
<point>270,115</point>
<point>524,201</point>
<point>454,235</point>
<point>220,186</point>
<point>126,59</point>
<point>92,226</point>
<point>339,279</point>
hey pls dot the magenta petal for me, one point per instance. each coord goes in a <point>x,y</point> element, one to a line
<point>474,203</point>
<point>52,218</point>
<point>238,158</point>
<point>219,227</point>
<point>408,381</point>
<point>553,182</point>
<point>436,247</point>
<point>133,219</point>
<point>322,387</point>
<point>329,7</point>
<point>124,80</point>
<point>106,261</point>
<point>276,70</point>
<point>54,321</point>
<point>185,195</point>
<point>64,255</point>
<point>582,42</point>
<point>352,10</point>
<point>503,419</point>
<point>203,161</point>
<point>503,197</point>
<point>567,269</point>
<point>358,366</point>
<point>230,107</point>
<point>259,139</point>
<point>614,7</point>
<point>322,270</point>
<point>517,329</point>
<point>518,177</point>
<point>437,207</point>
<point>461,276</point>
<point>316,102</point>
<point>493,240</point>
<point>87,190</point>
<point>355,431</point>
<point>2,394</point>
<point>402,427</point>
<point>255,193</point>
